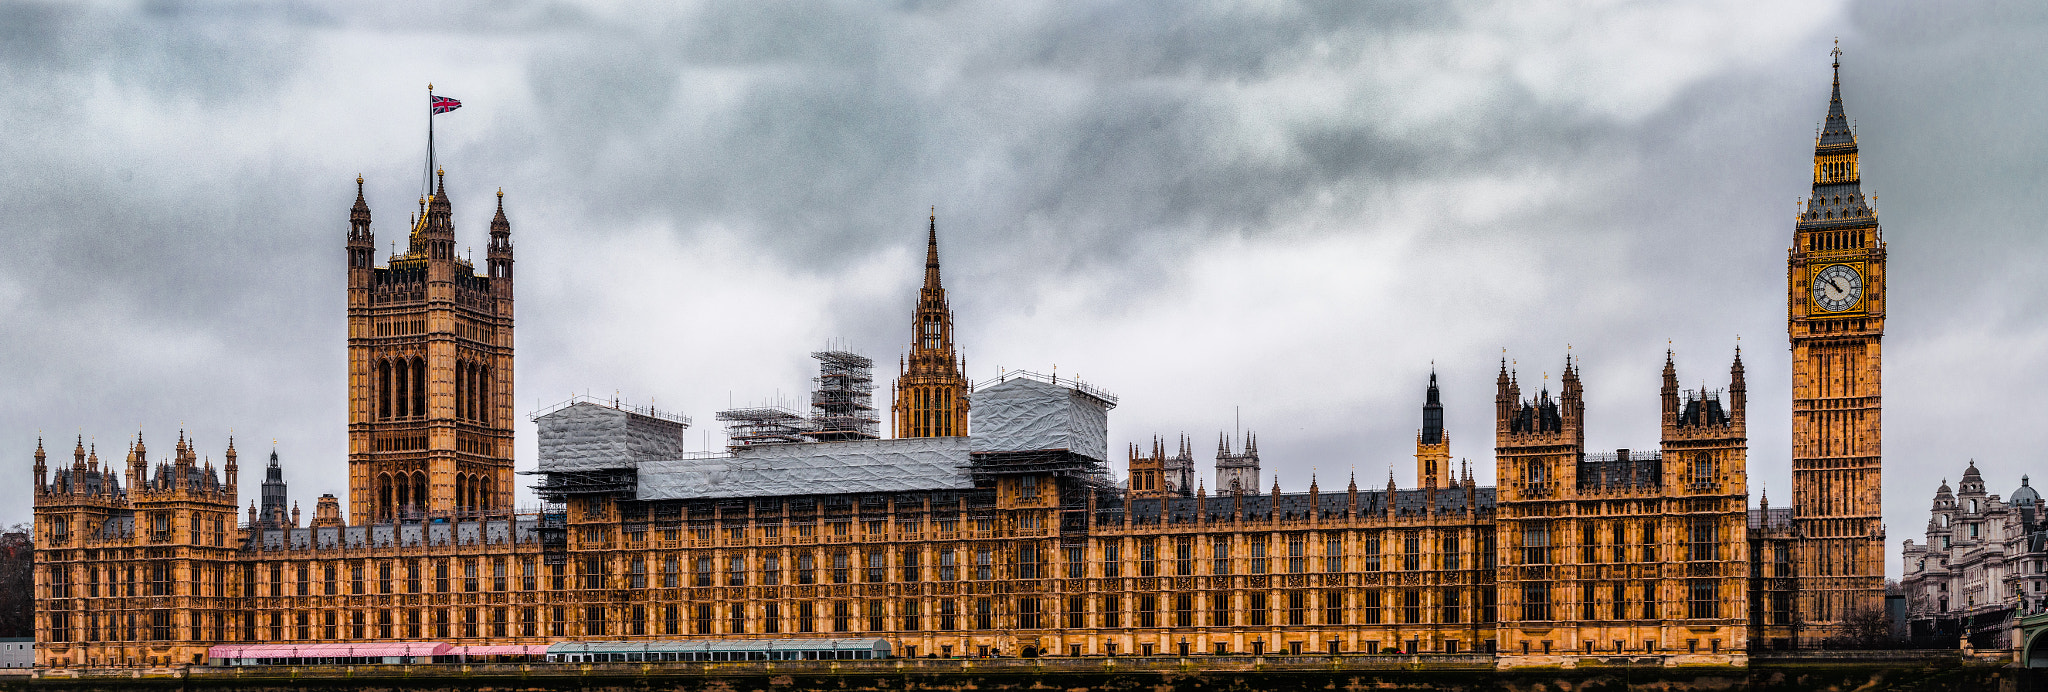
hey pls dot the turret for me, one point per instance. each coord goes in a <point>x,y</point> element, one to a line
<point>1506,397</point>
<point>1237,472</point>
<point>327,511</point>
<point>1351,497</point>
<point>1669,392</point>
<point>230,468</point>
<point>1315,495</point>
<point>42,471</point>
<point>435,235</point>
<point>1574,403</point>
<point>1738,391</point>
<point>362,243</point>
<point>499,255</point>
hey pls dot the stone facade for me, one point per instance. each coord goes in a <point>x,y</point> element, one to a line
<point>1626,551</point>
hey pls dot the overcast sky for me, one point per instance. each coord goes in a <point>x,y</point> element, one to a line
<point>1279,213</point>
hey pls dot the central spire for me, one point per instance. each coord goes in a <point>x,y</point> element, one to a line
<point>1432,413</point>
<point>931,253</point>
<point>931,393</point>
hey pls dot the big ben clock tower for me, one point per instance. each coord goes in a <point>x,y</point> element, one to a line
<point>1835,313</point>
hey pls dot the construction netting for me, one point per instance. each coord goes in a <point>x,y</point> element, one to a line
<point>587,435</point>
<point>1025,414</point>
<point>866,466</point>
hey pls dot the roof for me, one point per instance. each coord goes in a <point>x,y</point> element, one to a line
<point>2025,495</point>
<point>826,468</point>
<point>367,649</point>
<point>1835,131</point>
<point>1409,502</point>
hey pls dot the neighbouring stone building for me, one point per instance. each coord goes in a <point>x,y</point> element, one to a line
<point>1985,561</point>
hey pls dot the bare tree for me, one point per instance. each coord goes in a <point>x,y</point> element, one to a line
<point>1863,629</point>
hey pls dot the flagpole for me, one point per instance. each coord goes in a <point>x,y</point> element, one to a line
<point>430,138</point>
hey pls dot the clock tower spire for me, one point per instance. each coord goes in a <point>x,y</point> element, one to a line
<point>1835,271</point>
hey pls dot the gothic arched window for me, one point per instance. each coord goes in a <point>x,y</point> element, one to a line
<point>383,386</point>
<point>461,389</point>
<point>419,387</point>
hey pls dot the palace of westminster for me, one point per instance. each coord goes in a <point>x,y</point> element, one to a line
<point>989,523</point>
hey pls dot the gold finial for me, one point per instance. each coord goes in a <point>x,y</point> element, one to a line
<point>501,193</point>
<point>359,178</point>
<point>430,86</point>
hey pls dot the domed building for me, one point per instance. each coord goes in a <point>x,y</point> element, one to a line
<point>1983,562</point>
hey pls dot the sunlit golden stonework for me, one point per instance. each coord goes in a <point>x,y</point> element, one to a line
<point>992,531</point>
<point>1835,276</point>
<point>430,370</point>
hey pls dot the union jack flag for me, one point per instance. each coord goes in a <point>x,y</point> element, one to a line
<point>437,105</point>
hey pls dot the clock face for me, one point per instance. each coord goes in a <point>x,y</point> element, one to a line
<point>1837,288</point>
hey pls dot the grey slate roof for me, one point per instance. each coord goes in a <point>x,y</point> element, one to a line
<point>1410,502</point>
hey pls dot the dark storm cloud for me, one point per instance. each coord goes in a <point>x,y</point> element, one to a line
<point>1288,209</point>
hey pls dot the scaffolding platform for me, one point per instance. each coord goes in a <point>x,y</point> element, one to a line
<point>763,425</point>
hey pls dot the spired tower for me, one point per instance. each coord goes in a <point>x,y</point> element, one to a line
<point>931,392</point>
<point>273,496</point>
<point>1432,444</point>
<point>1835,316</point>
<point>430,370</point>
<point>1237,471</point>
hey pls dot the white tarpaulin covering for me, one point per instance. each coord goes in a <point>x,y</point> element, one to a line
<point>832,468</point>
<point>586,436</point>
<point>1024,415</point>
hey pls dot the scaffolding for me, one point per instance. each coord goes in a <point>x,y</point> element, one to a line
<point>763,425</point>
<point>843,405</point>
